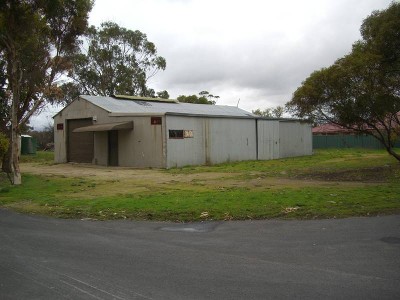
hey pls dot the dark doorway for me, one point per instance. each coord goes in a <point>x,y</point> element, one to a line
<point>113,148</point>
<point>80,144</point>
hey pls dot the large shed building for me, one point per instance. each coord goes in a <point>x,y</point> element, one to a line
<point>146,132</point>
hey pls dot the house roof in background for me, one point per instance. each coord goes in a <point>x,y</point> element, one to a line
<point>331,129</point>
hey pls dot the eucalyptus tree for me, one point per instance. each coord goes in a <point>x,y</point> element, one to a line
<point>204,98</point>
<point>114,60</point>
<point>270,112</point>
<point>37,41</point>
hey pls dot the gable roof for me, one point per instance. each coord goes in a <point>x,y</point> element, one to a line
<point>139,105</point>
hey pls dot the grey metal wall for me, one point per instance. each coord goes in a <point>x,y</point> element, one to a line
<point>295,139</point>
<point>268,139</point>
<point>215,140</point>
<point>101,148</point>
<point>141,147</point>
<point>278,139</point>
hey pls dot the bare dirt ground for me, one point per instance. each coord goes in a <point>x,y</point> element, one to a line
<point>151,177</point>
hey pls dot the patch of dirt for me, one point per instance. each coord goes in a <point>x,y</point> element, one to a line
<point>110,180</point>
<point>373,175</point>
<point>114,173</point>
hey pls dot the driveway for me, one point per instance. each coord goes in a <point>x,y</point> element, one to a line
<point>44,258</point>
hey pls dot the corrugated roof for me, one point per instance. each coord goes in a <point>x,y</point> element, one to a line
<point>139,106</point>
<point>125,97</point>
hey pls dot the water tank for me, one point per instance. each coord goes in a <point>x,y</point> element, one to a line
<point>28,144</point>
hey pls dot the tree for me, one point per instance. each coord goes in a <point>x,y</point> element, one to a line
<point>205,98</point>
<point>37,39</point>
<point>117,61</point>
<point>271,112</point>
<point>360,91</point>
<point>44,137</point>
<point>163,94</point>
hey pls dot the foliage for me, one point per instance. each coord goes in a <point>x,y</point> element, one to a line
<point>4,143</point>
<point>244,190</point>
<point>272,112</point>
<point>163,94</point>
<point>37,39</point>
<point>360,91</point>
<point>44,137</point>
<point>117,61</point>
<point>203,98</point>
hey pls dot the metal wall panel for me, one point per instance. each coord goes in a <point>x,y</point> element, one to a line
<point>101,148</point>
<point>232,140</point>
<point>141,147</point>
<point>186,151</point>
<point>268,139</point>
<point>295,139</point>
<point>215,140</point>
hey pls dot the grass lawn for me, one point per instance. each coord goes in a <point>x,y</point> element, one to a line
<point>331,183</point>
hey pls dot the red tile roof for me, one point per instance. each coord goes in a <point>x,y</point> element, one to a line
<point>331,129</point>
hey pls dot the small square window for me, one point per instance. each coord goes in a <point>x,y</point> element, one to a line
<point>188,134</point>
<point>60,126</point>
<point>176,134</point>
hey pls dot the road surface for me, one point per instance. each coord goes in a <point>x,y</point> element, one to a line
<point>45,258</point>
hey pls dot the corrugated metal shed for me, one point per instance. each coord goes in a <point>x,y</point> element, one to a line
<point>132,107</point>
<point>171,134</point>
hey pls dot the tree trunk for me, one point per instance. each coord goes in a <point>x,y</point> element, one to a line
<point>392,153</point>
<point>387,144</point>
<point>6,165</point>
<point>14,161</point>
<point>15,87</point>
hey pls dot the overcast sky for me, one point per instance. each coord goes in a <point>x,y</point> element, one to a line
<point>258,51</point>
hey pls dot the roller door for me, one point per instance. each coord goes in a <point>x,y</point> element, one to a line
<point>80,144</point>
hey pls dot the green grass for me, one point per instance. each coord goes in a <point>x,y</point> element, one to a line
<point>332,159</point>
<point>349,183</point>
<point>45,157</point>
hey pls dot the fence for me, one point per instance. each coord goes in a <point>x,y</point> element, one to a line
<point>347,141</point>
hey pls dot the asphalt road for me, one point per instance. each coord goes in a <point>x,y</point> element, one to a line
<point>44,258</point>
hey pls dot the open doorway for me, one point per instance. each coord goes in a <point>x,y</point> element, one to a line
<point>113,148</point>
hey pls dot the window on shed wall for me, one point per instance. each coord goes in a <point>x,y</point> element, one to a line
<point>188,134</point>
<point>180,134</point>
<point>175,134</point>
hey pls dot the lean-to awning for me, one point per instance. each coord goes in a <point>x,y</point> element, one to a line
<point>106,127</point>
